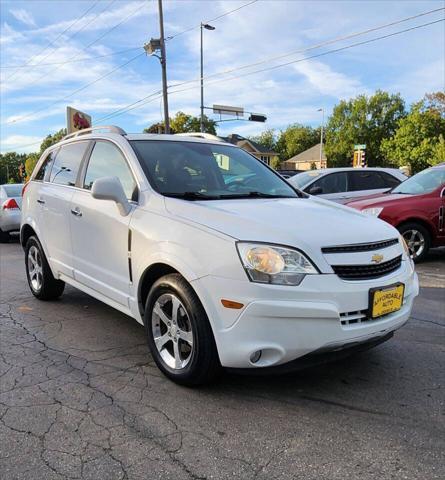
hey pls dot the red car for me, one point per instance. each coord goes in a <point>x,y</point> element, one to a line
<point>416,208</point>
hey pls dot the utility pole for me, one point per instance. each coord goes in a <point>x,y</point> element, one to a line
<point>164,68</point>
<point>321,135</point>
<point>207,27</point>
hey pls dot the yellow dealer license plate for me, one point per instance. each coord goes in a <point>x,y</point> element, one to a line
<point>386,300</point>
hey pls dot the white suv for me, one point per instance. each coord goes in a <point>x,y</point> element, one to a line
<point>224,262</point>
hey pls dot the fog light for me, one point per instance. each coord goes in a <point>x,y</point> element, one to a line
<point>255,356</point>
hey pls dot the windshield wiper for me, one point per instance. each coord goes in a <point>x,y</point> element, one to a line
<point>255,195</point>
<point>191,195</point>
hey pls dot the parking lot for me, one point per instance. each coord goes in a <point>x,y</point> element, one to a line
<point>81,398</point>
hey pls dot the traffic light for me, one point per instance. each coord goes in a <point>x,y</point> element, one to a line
<point>257,117</point>
<point>22,172</point>
<point>356,160</point>
<point>363,159</point>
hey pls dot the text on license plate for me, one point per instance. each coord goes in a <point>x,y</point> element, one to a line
<point>386,300</point>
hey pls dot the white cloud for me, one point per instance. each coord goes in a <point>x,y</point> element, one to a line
<point>23,16</point>
<point>21,143</point>
<point>329,82</point>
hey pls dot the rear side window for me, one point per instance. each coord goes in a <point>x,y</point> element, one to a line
<point>107,160</point>
<point>389,180</point>
<point>332,183</point>
<point>45,169</point>
<point>67,163</point>
<point>365,180</point>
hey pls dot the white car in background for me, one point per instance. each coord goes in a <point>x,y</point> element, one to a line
<point>342,185</point>
<point>10,214</point>
<point>219,277</point>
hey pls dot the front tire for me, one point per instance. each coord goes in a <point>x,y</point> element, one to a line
<point>417,238</point>
<point>179,333</point>
<point>41,281</point>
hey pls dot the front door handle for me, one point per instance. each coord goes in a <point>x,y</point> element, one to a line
<point>76,211</point>
<point>42,202</point>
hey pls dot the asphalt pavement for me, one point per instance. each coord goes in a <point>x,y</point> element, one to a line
<point>80,398</point>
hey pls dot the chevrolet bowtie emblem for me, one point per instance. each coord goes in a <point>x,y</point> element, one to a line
<point>377,258</point>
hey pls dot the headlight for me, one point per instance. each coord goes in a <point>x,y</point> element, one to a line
<point>406,248</point>
<point>374,211</point>
<point>274,264</point>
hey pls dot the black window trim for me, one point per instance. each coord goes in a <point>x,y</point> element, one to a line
<point>86,161</point>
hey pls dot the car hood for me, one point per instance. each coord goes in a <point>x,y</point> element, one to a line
<point>301,222</point>
<point>378,200</point>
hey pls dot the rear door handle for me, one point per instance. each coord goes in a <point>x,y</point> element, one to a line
<point>42,202</point>
<point>76,211</point>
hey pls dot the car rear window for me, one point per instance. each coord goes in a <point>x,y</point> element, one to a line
<point>13,190</point>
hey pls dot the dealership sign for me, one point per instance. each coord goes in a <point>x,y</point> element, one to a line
<point>76,120</point>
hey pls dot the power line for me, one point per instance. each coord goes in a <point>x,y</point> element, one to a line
<point>86,59</point>
<point>171,37</point>
<point>140,102</point>
<point>364,42</point>
<point>313,47</point>
<point>58,36</point>
<point>94,41</point>
<point>75,91</point>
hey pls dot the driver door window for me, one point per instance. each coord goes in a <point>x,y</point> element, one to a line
<point>106,160</point>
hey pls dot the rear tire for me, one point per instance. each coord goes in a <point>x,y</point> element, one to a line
<point>179,334</point>
<point>41,281</point>
<point>417,238</point>
<point>4,236</point>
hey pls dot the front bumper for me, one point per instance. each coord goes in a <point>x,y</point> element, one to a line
<point>286,323</point>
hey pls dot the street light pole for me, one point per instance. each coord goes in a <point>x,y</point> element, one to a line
<point>164,68</point>
<point>207,27</point>
<point>321,135</point>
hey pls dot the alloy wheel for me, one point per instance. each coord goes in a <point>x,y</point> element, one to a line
<point>35,268</point>
<point>172,331</point>
<point>415,241</point>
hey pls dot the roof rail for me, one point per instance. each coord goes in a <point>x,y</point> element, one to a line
<point>207,136</point>
<point>110,128</point>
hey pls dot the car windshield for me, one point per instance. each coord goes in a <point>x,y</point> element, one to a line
<point>423,182</point>
<point>302,179</point>
<point>13,190</point>
<point>205,171</point>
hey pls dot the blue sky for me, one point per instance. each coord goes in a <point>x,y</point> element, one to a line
<point>34,99</point>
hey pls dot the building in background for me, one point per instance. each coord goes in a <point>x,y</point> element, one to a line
<point>307,160</point>
<point>262,153</point>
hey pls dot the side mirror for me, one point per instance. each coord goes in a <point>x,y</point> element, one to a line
<point>316,191</point>
<point>110,188</point>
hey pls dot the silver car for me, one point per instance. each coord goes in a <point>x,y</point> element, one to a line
<point>10,209</point>
<point>344,184</point>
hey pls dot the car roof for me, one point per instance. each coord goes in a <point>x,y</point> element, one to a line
<point>353,169</point>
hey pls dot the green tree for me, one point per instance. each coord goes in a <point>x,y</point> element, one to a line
<point>10,167</point>
<point>267,139</point>
<point>30,163</point>
<point>419,140</point>
<point>184,123</point>
<point>51,139</point>
<point>296,139</point>
<point>362,120</point>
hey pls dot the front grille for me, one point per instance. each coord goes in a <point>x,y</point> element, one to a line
<point>366,272</point>
<point>360,247</point>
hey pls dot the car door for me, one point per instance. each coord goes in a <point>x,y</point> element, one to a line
<point>53,197</point>
<point>99,233</point>
<point>363,182</point>
<point>331,186</point>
